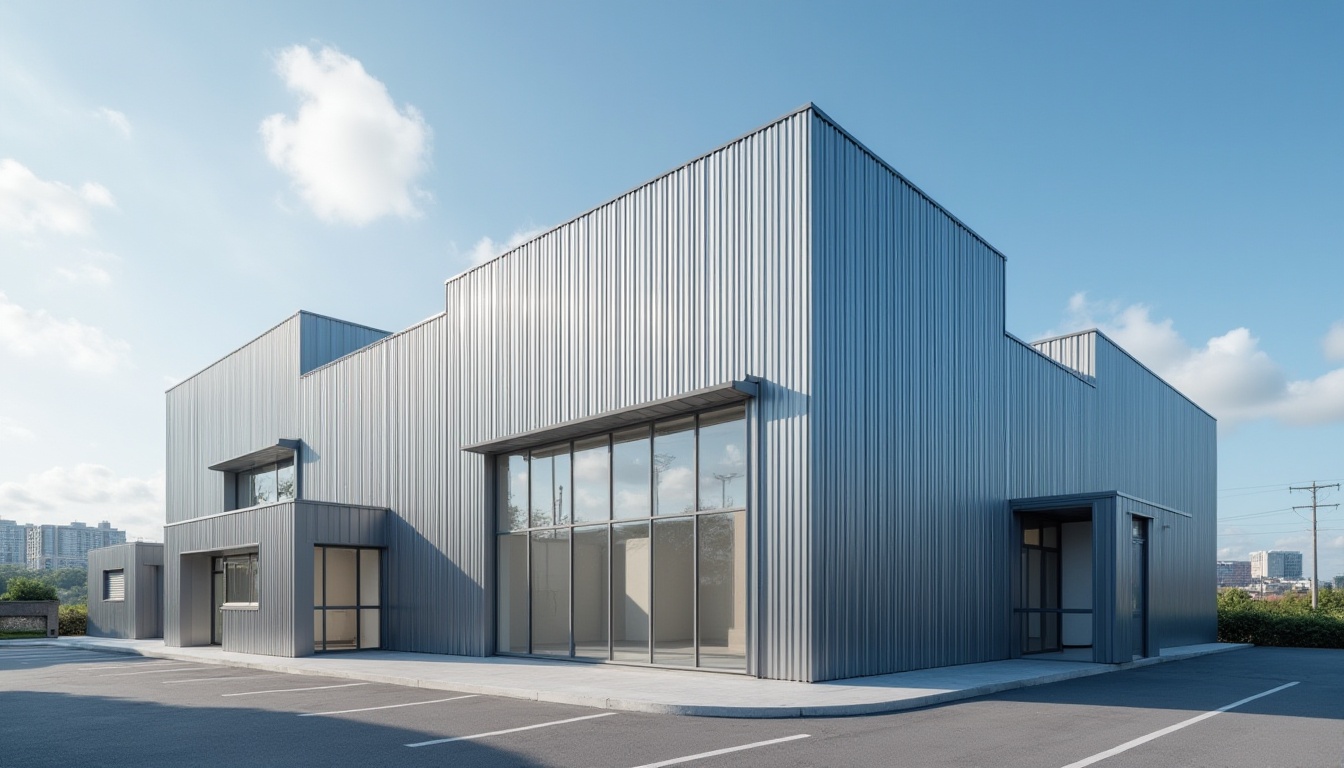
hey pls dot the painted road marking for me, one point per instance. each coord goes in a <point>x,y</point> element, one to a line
<point>149,671</point>
<point>291,690</point>
<point>1172,729</point>
<point>728,750</point>
<point>389,706</point>
<point>217,677</point>
<point>510,730</point>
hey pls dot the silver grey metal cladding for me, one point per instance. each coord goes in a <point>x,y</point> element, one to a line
<point>699,277</point>
<point>140,613</point>
<point>911,541</point>
<point>283,535</point>
<point>1133,433</point>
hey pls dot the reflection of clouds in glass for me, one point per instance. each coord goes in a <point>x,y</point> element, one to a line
<point>632,498</point>
<point>628,471</point>
<point>590,467</point>
<point>676,490</point>
<point>590,498</point>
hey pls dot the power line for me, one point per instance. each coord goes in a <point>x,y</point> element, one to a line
<point>1315,567</point>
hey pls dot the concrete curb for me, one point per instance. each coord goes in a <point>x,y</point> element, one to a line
<point>634,705</point>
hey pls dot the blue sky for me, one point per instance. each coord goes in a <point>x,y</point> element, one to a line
<point>1174,175</point>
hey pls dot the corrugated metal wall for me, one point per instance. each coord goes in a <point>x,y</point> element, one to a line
<point>911,540</point>
<point>1130,432</point>
<point>895,417</point>
<point>140,614</point>
<point>283,535</point>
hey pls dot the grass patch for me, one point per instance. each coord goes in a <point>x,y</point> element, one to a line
<point>21,635</point>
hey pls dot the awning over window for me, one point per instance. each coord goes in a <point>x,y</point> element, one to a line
<point>700,399</point>
<point>283,449</point>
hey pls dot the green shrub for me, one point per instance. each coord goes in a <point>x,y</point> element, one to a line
<point>28,589</point>
<point>74,619</point>
<point>1279,627</point>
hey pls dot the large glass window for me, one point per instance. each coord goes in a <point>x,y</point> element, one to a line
<point>628,546</point>
<point>265,485</point>
<point>347,607</point>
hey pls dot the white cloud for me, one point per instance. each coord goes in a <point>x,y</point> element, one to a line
<point>116,120</point>
<point>487,248</point>
<point>85,273</point>
<point>11,430</point>
<point>28,203</point>
<point>350,152</point>
<point>87,493</point>
<point>36,334</point>
<point>1333,343</point>
<point>1229,375</point>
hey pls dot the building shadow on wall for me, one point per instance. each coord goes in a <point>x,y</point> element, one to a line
<point>431,604</point>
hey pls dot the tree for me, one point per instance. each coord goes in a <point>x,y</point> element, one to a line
<point>29,589</point>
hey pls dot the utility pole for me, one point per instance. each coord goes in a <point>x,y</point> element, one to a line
<point>1314,487</point>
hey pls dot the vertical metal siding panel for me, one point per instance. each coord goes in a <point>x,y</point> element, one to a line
<point>600,314</point>
<point>909,520</point>
<point>1120,428</point>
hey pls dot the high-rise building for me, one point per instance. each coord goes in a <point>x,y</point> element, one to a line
<point>67,546</point>
<point>1276,565</point>
<point>13,543</point>
<point>1234,573</point>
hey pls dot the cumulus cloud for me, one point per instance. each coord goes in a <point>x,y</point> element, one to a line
<point>1333,343</point>
<point>488,248</point>
<point>36,334</point>
<point>87,493</point>
<point>116,120</point>
<point>350,152</point>
<point>11,430</point>
<point>1229,375</point>
<point>85,273</point>
<point>29,204</point>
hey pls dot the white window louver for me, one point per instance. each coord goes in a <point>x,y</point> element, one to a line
<point>114,585</point>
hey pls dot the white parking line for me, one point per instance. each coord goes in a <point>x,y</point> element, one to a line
<point>389,706</point>
<point>291,690</point>
<point>149,671</point>
<point>217,677</point>
<point>59,655</point>
<point>717,752</point>
<point>509,730</point>
<point>1171,729</point>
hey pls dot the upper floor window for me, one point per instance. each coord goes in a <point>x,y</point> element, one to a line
<point>266,484</point>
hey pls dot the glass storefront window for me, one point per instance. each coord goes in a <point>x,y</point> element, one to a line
<point>723,459</point>
<point>592,480</point>
<point>630,473</point>
<point>347,589</point>
<point>628,546</point>
<point>674,467</point>
<point>513,483</point>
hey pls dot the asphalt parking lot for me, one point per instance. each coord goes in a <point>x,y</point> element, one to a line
<point>62,707</point>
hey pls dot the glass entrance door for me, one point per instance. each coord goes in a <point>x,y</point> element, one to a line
<point>217,601</point>
<point>1039,612</point>
<point>347,613</point>
<point>1138,580</point>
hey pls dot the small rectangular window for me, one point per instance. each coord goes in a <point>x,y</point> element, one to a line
<point>114,585</point>
<point>240,579</point>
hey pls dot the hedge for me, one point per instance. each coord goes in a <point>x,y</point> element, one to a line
<point>1290,630</point>
<point>74,619</point>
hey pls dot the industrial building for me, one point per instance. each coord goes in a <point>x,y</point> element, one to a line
<point>758,415</point>
<point>126,591</point>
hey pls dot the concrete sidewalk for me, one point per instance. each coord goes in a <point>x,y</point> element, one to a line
<point>609,686</point>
